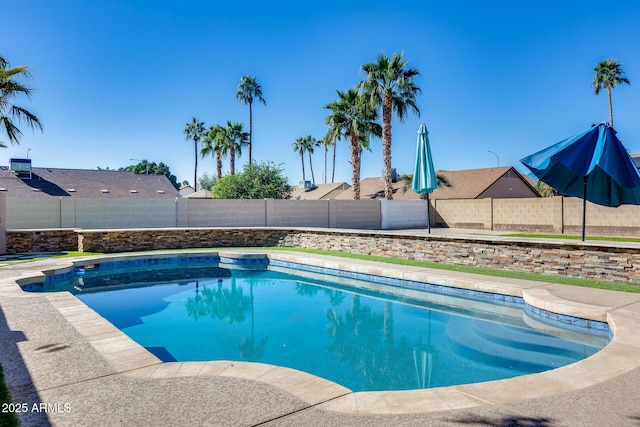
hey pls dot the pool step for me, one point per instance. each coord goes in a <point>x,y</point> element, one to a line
<point>513,348</point>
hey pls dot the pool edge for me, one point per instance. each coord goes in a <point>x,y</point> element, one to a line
<point>135,361</point>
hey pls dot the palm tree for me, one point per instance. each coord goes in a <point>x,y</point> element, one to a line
<point>213,142</point>
<point>10,88</point>
<point>545,189</point>
<point>299,147</point>
<point>310,143</point>
<point>390,85</point>
<point>248,91</point>
<point>407,182</point>
<point>194,130</point>
<point>609,74</point>
<point>327,142</point>
<point>235,138</point>
<point>353,119</point>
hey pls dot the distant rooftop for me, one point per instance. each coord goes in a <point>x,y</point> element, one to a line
<point>465,184</point>
<point>84,183</point>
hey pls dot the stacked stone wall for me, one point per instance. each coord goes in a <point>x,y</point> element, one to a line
<point>175,238</point>
<point>53,240</point>
<point>583,260</point>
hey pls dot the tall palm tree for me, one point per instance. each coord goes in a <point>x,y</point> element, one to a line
<point>298,147</point>
<point>248,91</point>
<point>310,143</point>
<point>10,87</point>
<point>390,84</point>
<point>194,130</point>
<point>609,74</point>
<point>353,118</point>
<point>327,142</point>
<point>235,139</point>
<point>213,143</point>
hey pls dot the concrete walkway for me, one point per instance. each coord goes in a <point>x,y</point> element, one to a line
<point>56,351</point>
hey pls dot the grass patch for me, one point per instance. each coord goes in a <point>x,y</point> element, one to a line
<point>573,281</point>
<point>29,257</point>
<point>8,419</point>
<point>567,237</point>
<point>66,254</point>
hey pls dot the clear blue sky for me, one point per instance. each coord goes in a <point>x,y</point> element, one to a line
<point>119,79</point>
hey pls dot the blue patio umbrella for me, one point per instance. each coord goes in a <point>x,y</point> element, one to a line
<point>424,175</point>
<point>593,165</point>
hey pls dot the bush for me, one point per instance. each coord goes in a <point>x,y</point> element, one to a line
<point>256,181</point>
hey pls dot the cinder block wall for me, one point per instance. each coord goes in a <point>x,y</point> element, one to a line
<point>124,213</point>
<point>360,214</point>
<point>534,215</point>
<point>404,214</point>
<point>555,215</point>
<point>464,213</point>
<point>601,220</point>
<point>221,213</point>
<point>33,213</point>
<point>297,213</point>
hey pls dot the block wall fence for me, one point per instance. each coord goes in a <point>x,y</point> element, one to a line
<point>560,215</point>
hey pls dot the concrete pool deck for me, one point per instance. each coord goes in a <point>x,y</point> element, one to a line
<point>57,351</point>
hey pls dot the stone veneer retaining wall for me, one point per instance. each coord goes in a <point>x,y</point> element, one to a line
<point>177,238</point>
<point>587,260</point>
<point>42,240</point>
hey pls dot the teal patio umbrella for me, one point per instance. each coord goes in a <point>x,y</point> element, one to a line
<point>424,175</point>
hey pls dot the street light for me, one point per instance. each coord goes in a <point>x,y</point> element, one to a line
<point>498,158</point>
<point>146,163</point>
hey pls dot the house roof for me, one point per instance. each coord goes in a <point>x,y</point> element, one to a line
<point>200,194</point>
<point>465,184</point>
<point>84,183</point>
<point>320,191</point>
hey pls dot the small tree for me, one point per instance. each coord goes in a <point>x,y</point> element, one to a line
<point>152,168</point>
<point>206,182</point>
<point>258,180</point>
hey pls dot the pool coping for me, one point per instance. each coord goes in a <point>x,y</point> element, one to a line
<point>128,358</point>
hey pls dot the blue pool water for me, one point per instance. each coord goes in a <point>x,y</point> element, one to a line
<point>336,328</point>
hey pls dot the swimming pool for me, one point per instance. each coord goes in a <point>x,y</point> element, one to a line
<point>365,335</point>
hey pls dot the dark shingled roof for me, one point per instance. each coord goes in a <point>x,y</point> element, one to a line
<point>83,183</point>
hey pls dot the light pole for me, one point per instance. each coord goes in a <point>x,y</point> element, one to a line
<point>146,164</point>
<point>497,158</point>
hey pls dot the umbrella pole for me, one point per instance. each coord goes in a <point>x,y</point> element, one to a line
<point>584,207</point>
<point>428,216</point>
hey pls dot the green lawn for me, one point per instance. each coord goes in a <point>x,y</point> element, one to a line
<point>600,284</point>
<point>568,237</point>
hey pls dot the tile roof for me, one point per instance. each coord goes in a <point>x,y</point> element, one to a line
<point>465,184</point>
<point>84,183</point>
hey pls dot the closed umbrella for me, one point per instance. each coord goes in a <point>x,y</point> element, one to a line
<point>424,175</point>
<point>593,165</point>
